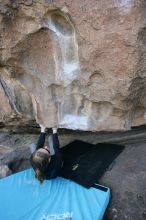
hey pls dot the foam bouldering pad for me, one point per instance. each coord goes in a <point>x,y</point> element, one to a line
<point>85,163</point>
<point>23,197</point>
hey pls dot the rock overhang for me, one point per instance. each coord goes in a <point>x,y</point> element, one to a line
<point>74,68</point>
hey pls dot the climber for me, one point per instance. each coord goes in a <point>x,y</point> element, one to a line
<point>47,160</point>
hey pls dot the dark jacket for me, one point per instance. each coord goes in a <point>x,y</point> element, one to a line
<point>54,167</point>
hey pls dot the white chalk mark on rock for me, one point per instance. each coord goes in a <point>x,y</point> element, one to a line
<point>75,122</point>
<point>69,67</point>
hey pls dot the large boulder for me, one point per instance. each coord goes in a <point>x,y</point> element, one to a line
<point>74,64</point>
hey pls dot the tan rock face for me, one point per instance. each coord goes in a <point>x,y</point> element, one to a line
<point>73,64</point>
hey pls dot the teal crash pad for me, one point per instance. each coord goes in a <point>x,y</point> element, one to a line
<point>23,197</point>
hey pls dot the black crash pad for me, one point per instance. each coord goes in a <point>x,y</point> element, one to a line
<point>85,163</point>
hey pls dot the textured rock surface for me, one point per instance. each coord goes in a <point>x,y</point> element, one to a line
<point>75,64</point>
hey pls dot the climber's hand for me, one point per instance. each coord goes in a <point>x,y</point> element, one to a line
<point>54,130</point>
<point>42,129</point>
